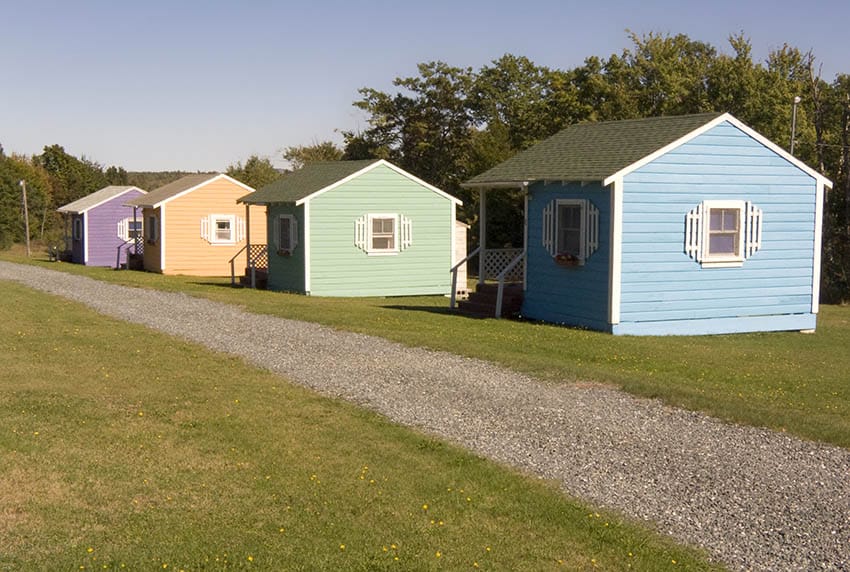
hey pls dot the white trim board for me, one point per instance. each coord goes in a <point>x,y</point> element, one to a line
<point>106,200</point>
<point>371,166</point>
<point>615,279</point>
<point>196,187</point>
<point>726,117</point>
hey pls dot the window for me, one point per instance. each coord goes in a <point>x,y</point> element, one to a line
<point>570,230</point>
<point>286,234</point>
<point>222,229</point>
<point>383,233</point>
<point>152,229</point>
<point>129,229</point>
<point>78,229</point>
<point>134,229</point>
<point>723,233</point>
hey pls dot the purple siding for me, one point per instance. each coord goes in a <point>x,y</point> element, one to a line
<point>102,222</point>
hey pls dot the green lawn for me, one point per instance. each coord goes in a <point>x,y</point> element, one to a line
<point>787,381</point>
<point>123,448</point>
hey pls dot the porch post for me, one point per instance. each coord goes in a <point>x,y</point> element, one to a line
<point>482,233</point>
<point>248,234</point>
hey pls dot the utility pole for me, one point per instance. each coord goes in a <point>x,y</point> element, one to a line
<point>794,122</point>
<point>23,184</point>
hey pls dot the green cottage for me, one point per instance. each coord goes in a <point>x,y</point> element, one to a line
<point>358,228</point>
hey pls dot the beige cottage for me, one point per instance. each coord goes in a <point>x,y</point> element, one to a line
<point>194,226</point>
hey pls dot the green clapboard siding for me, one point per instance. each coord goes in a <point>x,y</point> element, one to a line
<point>339,268</point>
<point>286,273</point>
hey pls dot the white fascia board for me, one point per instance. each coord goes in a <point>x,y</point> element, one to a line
<point>375,165</point>
<point>162,234</point>
<point>198,186</point>
<point>498,185</point>
<point>306,226</point>
<point>85,237</point>
<point>453,224</point>
<point>615,281</point>
<point>726,117</point>
<point>65,209</point>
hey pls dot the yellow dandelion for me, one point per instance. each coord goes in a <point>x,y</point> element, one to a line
<point>35,433</point>
<point>384,548</point>
<point>438,554</point>
<point>141,413</point>
<point>424,507</point>
<point>342,546</point>
<point>282,530</point>
<point>89,549</point>
<point>393,546</point>
<point>475,564</point>
<point>673,561</point>
<point>250,558</point>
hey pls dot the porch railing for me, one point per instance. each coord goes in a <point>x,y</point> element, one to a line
<point>508,271</point>
<point>454,276</point>
<point>497,260</point>
<point>137,247</point>
<point>257,259</point>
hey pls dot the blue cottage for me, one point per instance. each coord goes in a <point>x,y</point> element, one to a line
<point>693,224</point>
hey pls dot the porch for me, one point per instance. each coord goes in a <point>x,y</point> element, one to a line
<point>501,271</point>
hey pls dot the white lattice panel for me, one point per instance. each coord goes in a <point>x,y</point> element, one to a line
<point>497,260</point>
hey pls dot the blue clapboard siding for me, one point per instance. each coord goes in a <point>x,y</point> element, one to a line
<point>286,273</point>
<point>661,285</point>
<point>573,296</point>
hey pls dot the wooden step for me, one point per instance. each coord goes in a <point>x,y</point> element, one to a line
<point>482,302</point>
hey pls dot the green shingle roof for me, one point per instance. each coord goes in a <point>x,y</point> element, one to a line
<point>307,180</point>
<point>592,151</point>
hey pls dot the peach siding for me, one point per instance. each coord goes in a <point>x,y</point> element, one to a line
<point>186,252</point>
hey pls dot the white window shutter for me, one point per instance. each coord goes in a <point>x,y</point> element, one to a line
<point>753,229</point>
<point>122,229</point>
<point>549,240</point>
<point>591,233</point>
<point>360,233</point>
<point>693,233</point>
<point>406,232</point>
<point>205,228</point>
<point>293,232</point>
<point>240,229</point>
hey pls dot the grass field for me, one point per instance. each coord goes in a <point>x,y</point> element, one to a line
<point>121,448</point>
<point>786,381</point>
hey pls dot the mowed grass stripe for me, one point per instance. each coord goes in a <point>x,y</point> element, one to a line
<point>121,448</point>
<point>786,381</point>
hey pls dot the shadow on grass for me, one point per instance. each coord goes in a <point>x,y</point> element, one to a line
<point>434,310</point>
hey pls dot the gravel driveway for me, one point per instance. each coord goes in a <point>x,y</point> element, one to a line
<point>754,499</point>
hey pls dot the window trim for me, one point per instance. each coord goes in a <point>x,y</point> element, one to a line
<point>582,204</point>
<point>124,229</point>
<point>370,249</point>
<point>213,237</point>
<point>293,236</point>
<point>724,260</point>
<point>152,235</point>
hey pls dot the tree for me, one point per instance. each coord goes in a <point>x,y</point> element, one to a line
<point>71,178</point>
<point>256,172</point>
<point>13,169</point>
<point>301,155</point>
<point>116,176</point>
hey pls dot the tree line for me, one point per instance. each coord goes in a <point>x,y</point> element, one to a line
<point>447,124</point>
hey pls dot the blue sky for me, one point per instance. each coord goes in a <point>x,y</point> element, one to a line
<point>192,85</point>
